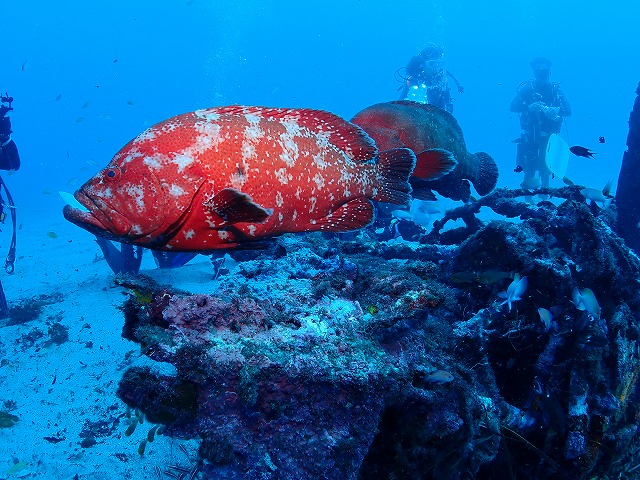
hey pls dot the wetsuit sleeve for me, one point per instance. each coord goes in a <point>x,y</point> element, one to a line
<point>519,104</point>
<point>563,103</point>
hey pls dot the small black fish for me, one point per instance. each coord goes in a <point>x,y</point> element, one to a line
<point>601,139</point>
<point>581,151</point>
<point>518,169</point>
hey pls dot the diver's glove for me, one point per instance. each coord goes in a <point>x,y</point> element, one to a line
<point>537,107</point>
<point>552,113</point>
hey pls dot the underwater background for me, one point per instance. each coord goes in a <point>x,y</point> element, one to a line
<point>87,77</point>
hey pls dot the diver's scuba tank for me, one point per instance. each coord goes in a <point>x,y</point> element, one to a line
<point>418,93</point>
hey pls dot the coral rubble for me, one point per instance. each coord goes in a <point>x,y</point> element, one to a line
<point>358,359</point>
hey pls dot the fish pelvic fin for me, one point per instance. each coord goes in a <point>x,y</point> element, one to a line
<point>434,163</point>
<point>419,192</point>
<point>487,174</point>
<point>354,214</point>
<point>394,168</point>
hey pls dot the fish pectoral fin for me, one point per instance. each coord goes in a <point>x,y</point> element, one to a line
<point>234,206</point>
<point>354,214</point>
<point>434,163</point>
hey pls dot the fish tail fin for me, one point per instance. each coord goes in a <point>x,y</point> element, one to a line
<point>487,174</point>
<point>394,168</point>
<point>434,163</point>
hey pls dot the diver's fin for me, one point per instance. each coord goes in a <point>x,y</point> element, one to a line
<point>234,206</point>
<point>487,174</point>
<point>395,167</point>
<point>434,163</point>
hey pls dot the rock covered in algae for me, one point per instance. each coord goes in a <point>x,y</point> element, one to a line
<point>629,181</point>
<point>284,374</point>
<point>360,360</point>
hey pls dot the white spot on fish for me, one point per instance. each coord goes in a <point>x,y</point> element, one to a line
<point>223,234</point>
<point>253,132</point>
<point>252,230</point>
<point>279,199</point>
<point>289,143</point>
<point>207,115</point>
<point>318,159</point>
<point>189,234</point>
<point>248,150</point>
<point>152,162</point>
<point>182,161</point>
<point>210,136</point>
<point>176,190</point>
<point>319,179</point>
<point>137,193</point>
<point>146,136</point>
<point>313,204</point>
<point>281,175</point>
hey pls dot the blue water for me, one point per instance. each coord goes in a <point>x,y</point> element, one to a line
<point>131,64</point>
<point>89,76</point>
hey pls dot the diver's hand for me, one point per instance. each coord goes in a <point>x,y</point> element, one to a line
<point>552,113</point>
<point>537,107</point>
<point>460,89</point>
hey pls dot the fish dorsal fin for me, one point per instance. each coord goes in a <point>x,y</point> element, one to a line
<point>432,109</point>
<point>234,206</point>
<point>345,136</point>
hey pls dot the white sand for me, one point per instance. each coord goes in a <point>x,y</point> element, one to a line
<point>58,388</point>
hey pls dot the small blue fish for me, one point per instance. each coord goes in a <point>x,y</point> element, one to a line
<point>515,291</point>
<point>439,376</point>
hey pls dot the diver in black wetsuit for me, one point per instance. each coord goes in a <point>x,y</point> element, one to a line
<point>426,79</point>
<point>542,107</point>
<point>10,161</point>
<point>9,158</point>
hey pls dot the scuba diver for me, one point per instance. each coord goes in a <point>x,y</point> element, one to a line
<point>542,107</point>
<point>426,79</point>
<point>9,158</point>
<point>10,161</point>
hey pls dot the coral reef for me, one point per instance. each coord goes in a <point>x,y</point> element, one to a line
<point>356,359</point>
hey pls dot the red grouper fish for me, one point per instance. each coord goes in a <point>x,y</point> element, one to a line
<point>434,136</point>
<point>226,176</point>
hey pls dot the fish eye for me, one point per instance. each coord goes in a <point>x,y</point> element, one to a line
<point>111,173</point>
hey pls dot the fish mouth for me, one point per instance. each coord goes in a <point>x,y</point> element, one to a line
<point>99,218</point>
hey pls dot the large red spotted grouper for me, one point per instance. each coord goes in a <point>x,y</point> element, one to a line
<point>227,176</point>
<point>434,135</point>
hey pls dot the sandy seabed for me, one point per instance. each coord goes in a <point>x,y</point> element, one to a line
<point>63,392</point>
